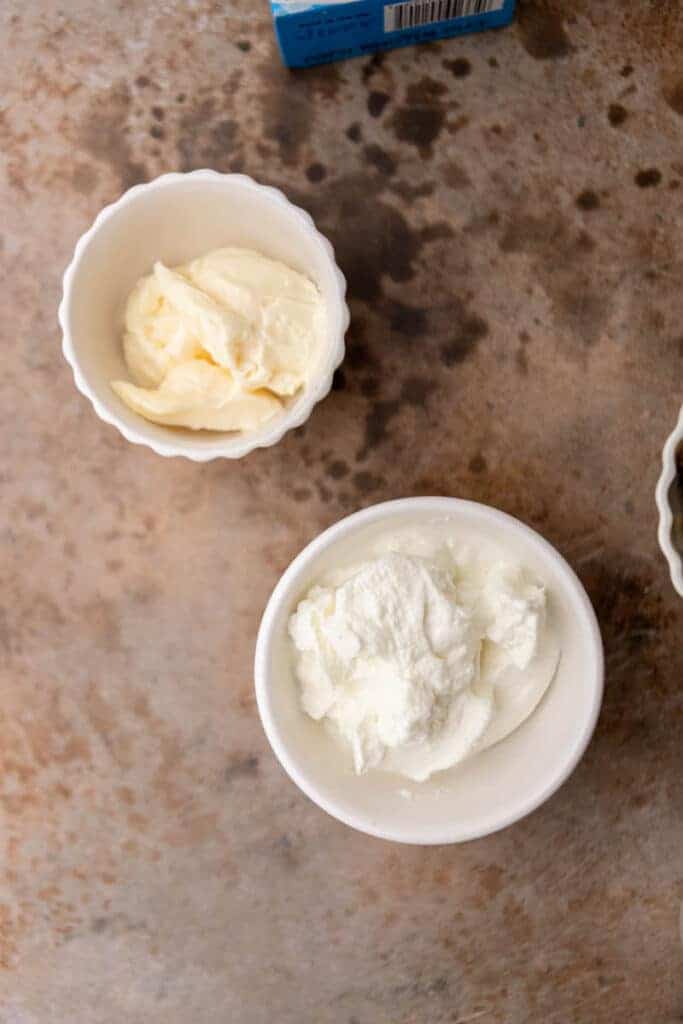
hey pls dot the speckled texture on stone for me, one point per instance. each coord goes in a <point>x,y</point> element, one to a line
<point>509,211</point>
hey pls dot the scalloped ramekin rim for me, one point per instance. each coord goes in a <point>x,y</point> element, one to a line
<point>217,449</point>
<point>668,475</point>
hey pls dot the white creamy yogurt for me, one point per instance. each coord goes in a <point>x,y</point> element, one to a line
<point>424,652</point>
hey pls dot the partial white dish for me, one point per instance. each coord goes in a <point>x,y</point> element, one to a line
<point>173,219</point>
<point>492,789</point>
<point>665,498</point>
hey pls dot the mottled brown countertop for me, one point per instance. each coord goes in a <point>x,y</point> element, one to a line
<point>508,208</point>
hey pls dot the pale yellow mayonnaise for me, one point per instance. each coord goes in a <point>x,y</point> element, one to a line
<point>217,344</point>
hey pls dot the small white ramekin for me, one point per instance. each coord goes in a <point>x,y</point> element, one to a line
<point>175,218</point>
<point>663,498</point>
<point>490,791</point>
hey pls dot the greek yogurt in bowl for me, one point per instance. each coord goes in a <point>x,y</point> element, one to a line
<point>446,702</point>
<point>430,647</point>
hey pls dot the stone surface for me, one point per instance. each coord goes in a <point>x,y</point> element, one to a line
<point>508,209</point>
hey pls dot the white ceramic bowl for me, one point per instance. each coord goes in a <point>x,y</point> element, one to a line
<point>663,496</point>
<point>174,219</point>
<point>493,789</point>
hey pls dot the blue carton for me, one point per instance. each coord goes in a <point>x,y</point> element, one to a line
<point>327,30</point>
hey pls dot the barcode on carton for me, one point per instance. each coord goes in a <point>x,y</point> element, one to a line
<point>416,13</point>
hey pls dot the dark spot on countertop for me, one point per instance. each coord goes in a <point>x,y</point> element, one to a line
<point>416,390</point>
<point>420,119</point>
<point>142,81</point>
<point>370,387</point>
<point>674,96</point>
<point>301,494</point>
<point>241,766</point>
<point>425,91</point>
<point>377,421</point>
<point>354,132</point>
<point>157,132</point>
<point>289,125</point>
<point>454,176</point>
<point>648,178</point>
<point>419,126</point>
<point>315,172</point>
<point>477,464</point>
<point>359,356</point>
<point>370,238</point>
<point>365,482</point>
<point>493,63</point>
<point>468,330</point>
<point>406,320</point>
<point>459,68</point>
<point>588,200</point>
<point>288,102</point>
<point>626,70</point>
<point>581,298</point>
<point>377,101</point>
<point>380,160</point>
<point>616,114</point>
<point>337,470</point>
<point>542,31</point>
<point>104,135</point>
<point>373,66</point>
<point>158,113</point>
<point>244,45</point>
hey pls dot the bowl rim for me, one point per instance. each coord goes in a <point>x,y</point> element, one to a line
<point>263,681</point>
<point>221,447</point>
<point>664,532</point>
